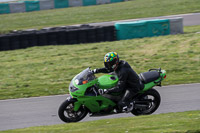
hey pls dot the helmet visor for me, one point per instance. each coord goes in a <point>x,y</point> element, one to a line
<point>109,65</point>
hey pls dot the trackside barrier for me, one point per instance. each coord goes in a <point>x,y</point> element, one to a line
<point>176,25</point>
<point>103,2</point>
<point>114,1</point>
<point>61,3</point>
<point>74,3</point>
<point>17,7</point>
<point>32,6</point>
<point>29,6</point>
<point>57,36</point>
<point>14,41</point>
<point>4,42</point>
<point>89,34</point>
<point>89,2</point>
<point>142,28</point>
<point>46,4</point>
<point>4,8</point>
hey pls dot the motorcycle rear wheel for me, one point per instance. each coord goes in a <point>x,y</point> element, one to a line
<point>151,95</point>
<point>67,114</point>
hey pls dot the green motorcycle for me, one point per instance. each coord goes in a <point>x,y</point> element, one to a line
<point>84,96</point>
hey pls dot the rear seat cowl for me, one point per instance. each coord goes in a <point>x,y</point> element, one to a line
<point>147,77</point>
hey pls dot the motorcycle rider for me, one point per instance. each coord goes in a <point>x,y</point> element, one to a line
<point>129,82</point>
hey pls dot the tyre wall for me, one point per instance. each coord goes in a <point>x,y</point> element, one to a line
<point>29,6</point>
<point>57,36</point>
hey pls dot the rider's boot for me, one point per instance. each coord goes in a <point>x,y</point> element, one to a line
<point>125,104</point>
<point>128,108</point>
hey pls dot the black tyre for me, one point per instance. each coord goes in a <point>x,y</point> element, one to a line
<point>153,98</point>
<point>67,114</point>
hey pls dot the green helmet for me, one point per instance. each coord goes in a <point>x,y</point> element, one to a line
<point>111,60</point>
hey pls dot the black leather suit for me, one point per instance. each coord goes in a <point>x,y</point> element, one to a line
<point>129,82</point>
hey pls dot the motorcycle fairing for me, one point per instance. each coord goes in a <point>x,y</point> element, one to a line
<point>94,104</point>
<point>107,81</point>
<point>155,82</point>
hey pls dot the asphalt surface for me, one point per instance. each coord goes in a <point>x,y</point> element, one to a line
<point>37,111</point>
<point>188,19</point>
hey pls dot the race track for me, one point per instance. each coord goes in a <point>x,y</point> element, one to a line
<point>37,111</point>
<point>188,19</point>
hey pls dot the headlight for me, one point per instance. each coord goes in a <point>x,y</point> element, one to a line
<point>72,88</point>
<point>77,81</point>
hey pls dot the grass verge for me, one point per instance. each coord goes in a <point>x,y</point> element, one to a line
<point>184,122</point>
<point>100,13</point>
<point>48,70</point>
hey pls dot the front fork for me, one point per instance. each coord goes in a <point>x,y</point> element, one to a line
<point>77,104</point>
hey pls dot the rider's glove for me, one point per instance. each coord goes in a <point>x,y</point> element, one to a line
<point>94,71</point>
<point>102,91</point>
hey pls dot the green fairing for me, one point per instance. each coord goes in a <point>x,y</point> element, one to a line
<point>91,103</point>
<point>82,88</point>
<point>103,82</point>
<point>152,84</point>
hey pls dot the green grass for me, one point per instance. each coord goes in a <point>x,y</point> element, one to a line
<point>184,122</point>
<point>48,70</point>
<point>100,13</point>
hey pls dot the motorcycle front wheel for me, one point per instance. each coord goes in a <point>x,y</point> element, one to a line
<point>67,114</point>
<point>150,102</point>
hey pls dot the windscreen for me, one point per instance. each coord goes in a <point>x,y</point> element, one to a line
<point>84,77</point>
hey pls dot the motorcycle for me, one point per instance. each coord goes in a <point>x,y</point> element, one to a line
<point>84,96</point>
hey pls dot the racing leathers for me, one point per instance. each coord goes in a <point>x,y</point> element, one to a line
<point>128,84</point>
